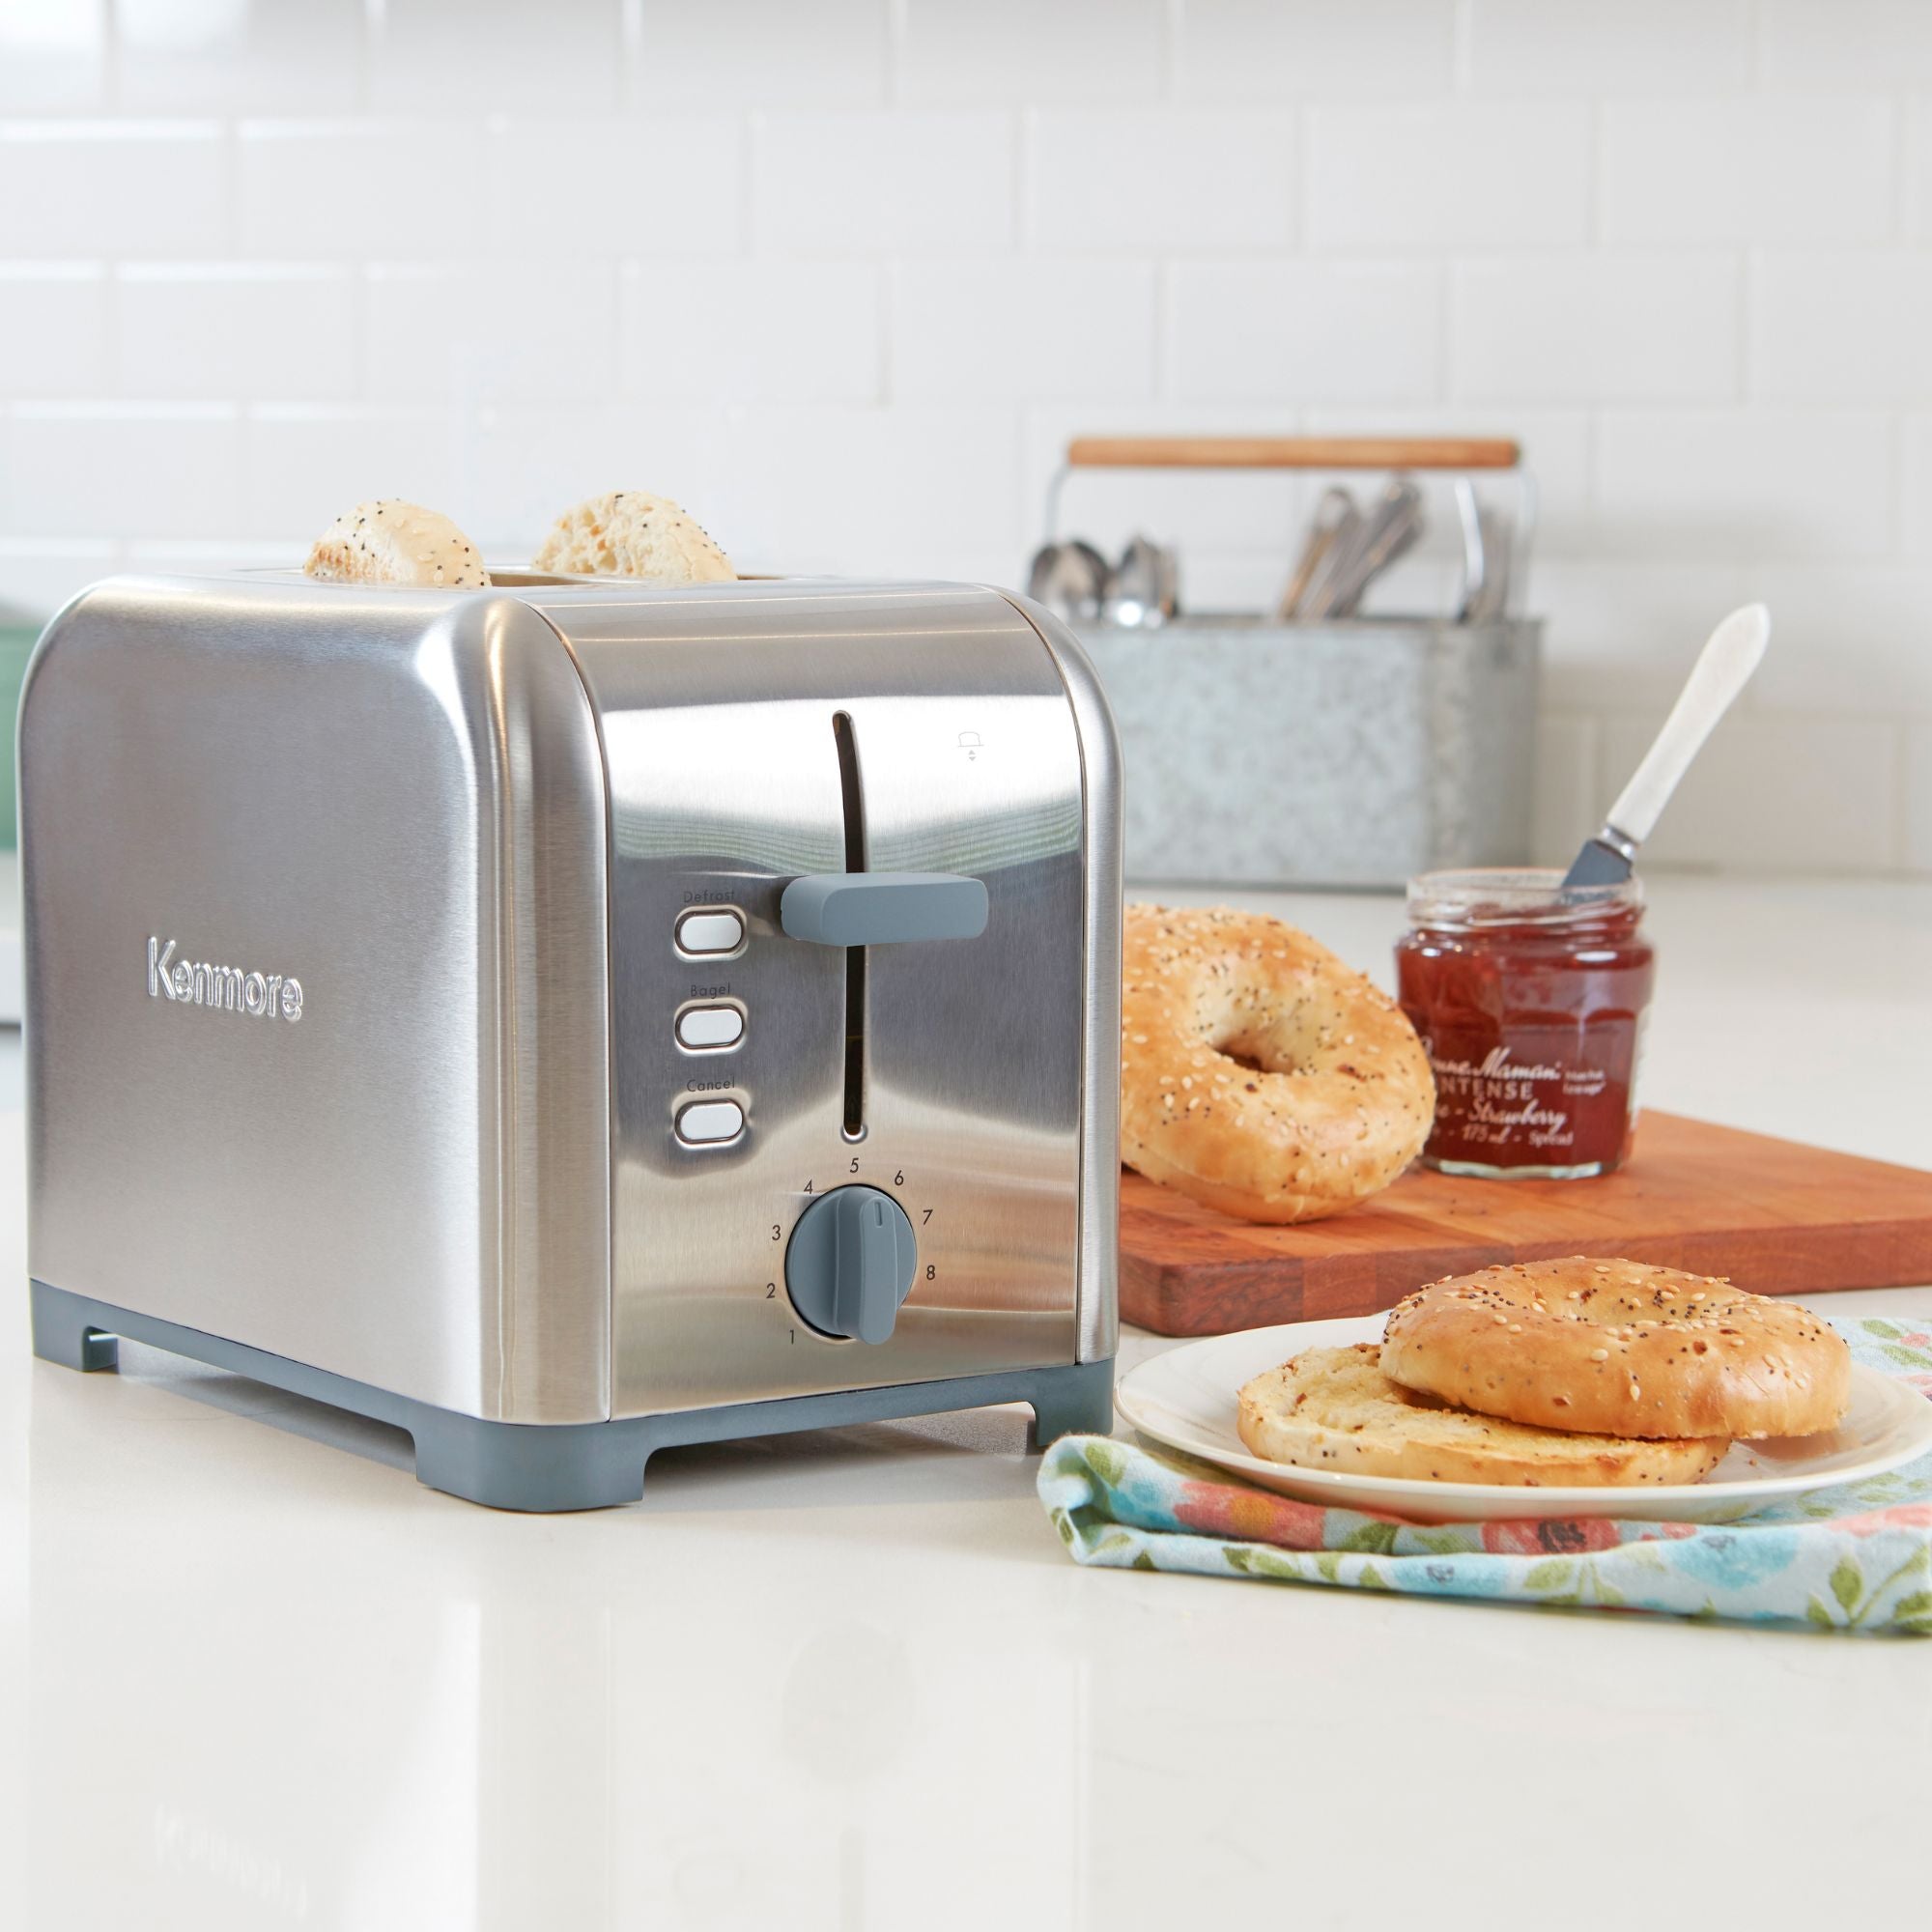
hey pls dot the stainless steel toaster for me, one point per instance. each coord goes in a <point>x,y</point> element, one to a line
<point>576,1017</point>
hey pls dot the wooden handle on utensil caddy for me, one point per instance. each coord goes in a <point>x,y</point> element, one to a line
<point>1291,452</point>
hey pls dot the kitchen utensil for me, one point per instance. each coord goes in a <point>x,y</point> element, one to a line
<point>1070,578</point>
<point>1335,514</point>
<point>1143,589</point>
<point>1186,1399</point>
<point>1363,553</point>
<point>576,1016</point>
<point>1776,1216</point>
<point>1734,650</point>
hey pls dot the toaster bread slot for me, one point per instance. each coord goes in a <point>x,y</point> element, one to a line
<point>854,800</point>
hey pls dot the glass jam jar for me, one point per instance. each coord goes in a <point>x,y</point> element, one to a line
<point>1530,998</point>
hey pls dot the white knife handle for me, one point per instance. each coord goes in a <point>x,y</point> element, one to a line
<point>1723,670</point>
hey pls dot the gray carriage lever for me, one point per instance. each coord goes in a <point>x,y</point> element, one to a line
<point>882,908</point>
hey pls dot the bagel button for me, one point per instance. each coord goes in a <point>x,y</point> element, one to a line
<point>710,1026</point>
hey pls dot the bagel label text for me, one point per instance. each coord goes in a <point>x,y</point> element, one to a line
<point>226,988</point>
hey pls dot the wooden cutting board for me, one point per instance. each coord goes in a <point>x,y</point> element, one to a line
<point>1774,1215</point>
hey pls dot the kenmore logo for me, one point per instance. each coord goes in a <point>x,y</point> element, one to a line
<point>263,994</point>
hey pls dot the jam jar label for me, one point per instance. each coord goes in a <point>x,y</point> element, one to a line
<point>1500,1101</point>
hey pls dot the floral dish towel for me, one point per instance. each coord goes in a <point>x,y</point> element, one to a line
<point>1853,1558</point>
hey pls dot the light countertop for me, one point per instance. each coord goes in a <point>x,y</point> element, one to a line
<point>850,1680</point>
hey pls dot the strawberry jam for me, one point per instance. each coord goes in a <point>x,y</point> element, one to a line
<point>1530,999</point>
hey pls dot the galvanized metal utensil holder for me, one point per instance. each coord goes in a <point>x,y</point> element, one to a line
<point>1354,752</point>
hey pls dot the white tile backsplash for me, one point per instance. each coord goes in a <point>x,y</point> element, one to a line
<point>610,185</point>
<point>1269,50</point>
<point>1603,46</point>
<point>112,187</point>
<point>740,331</point>
<point>1121,181</point>
<point>845,276</point>
<point>285,332</point>
<point>1021,50</point>
<point>1841,327</point>
<point>1599,328</point>
<point>875,182</point>
<point>1764,484</point>
<point>1022,330</point>
<point>53,329</point>
<point>1449,176</point>
<point>504,331</point>
<point>1768,169</point>
<point>1306,331</point>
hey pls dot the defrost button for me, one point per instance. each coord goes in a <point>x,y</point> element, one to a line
<point>702,933</point>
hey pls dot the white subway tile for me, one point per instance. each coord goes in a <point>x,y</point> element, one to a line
<point>221,57</point>
<point>78,469</point>
<point>1917,854</point>
<point>873,183</point>
<point>1843,329</point>
<point>1625,634</point>
<point>1607,46</point>
<point>1846,638</point>
<point>1031,50</point>
<point>1129,179</point>
<point>1832,43</point>
<point>662,185</point>
<point>1463,174</point>
<point>303,464</point>
<point>1745,483</point>
<point>1610,329</point>
<point>747,53</point>
<point>38,576</point>
<point>228,329</point>
<point>1568,803</point>
<point>898,492</point>
<point>1776,794</point>
<point>361,188</point>
<point>1751,169</point>
<point>53,329</point>
<point>458,57</point>
<point>740,331</point>
<point>112,187</point>
<point>53,55</point>
<point>517,329</point>
<point>1306,331</point>
<point>537,460</point>
<point>1271,50</point>
<point>1915,490</point>
<point>1002,331</point>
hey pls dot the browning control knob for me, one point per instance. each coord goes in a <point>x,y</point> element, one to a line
<point>850,1262</point>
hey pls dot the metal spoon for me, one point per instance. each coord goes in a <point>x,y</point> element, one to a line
<point>1723,669</point>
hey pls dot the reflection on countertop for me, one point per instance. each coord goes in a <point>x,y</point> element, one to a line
<point>849,1679</point>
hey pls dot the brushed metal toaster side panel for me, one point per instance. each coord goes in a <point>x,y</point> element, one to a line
<point>397,798</point>
<point>717,708</point>
<point>1098,1324</point>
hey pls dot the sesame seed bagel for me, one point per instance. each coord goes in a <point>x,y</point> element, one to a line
<point>389,541</point>
<point>1618,1347</point>
<point>1259,1075</point>
<point>1334,1409</point>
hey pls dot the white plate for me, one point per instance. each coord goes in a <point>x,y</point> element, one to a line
<point>1185,1398</point>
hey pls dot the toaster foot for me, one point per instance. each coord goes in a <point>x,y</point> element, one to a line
<point>1074,1401</point>
<point>62,1334</point>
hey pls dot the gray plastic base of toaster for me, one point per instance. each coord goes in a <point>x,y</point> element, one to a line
<point>565,1465</point>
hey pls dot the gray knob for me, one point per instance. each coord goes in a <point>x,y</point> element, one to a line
<point>851,1261</point>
